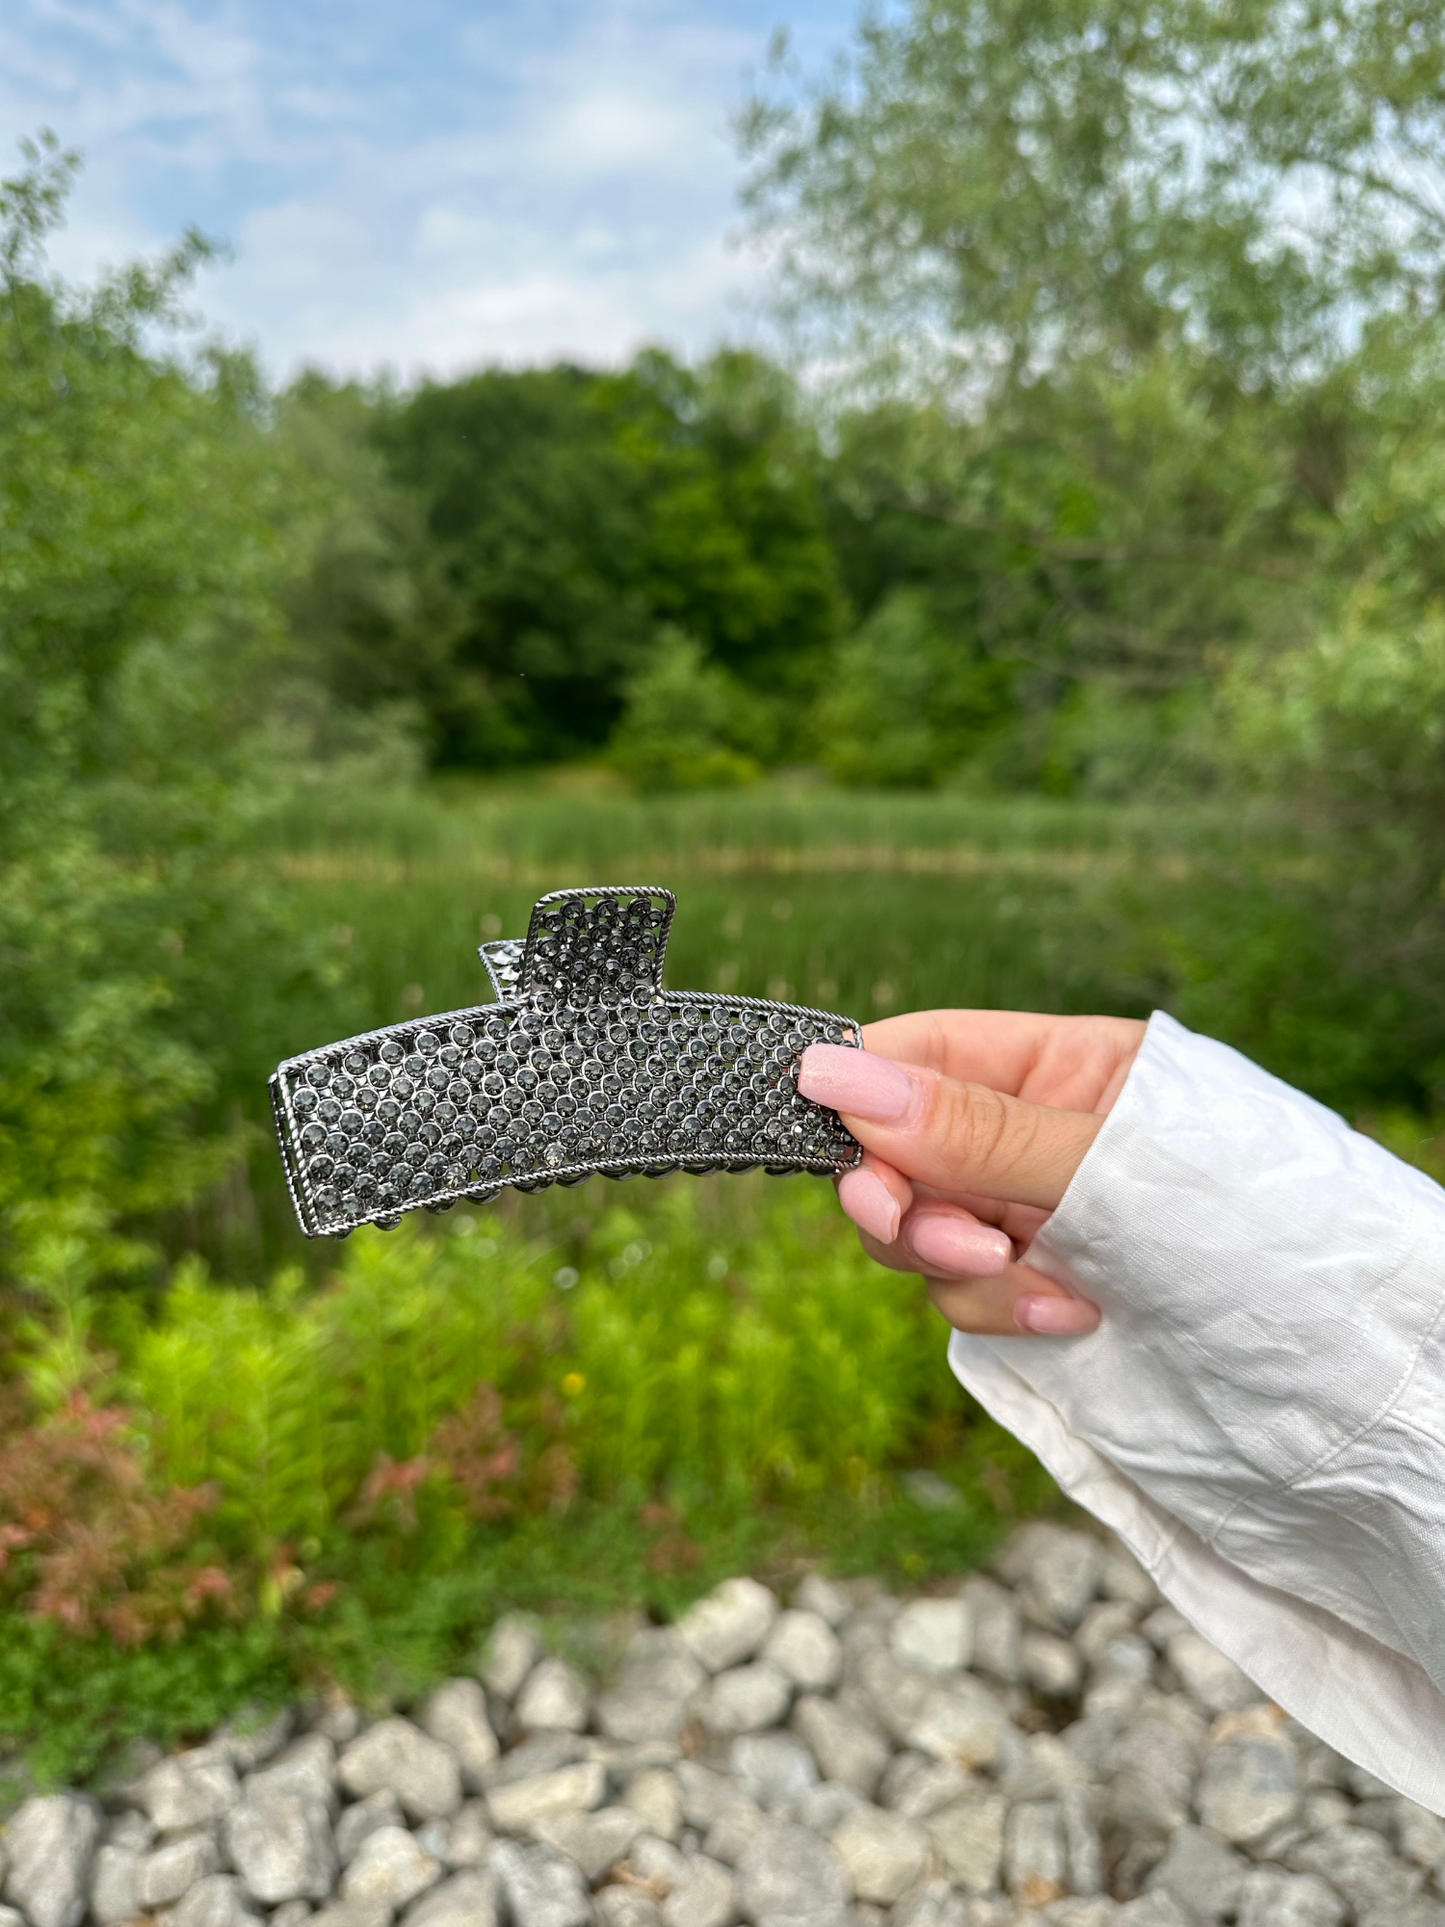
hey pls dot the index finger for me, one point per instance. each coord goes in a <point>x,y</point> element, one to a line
<point>1073,1063</point>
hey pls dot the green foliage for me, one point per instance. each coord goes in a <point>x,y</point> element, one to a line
<point>681,1382</point>
<point>690,724</point>
<point>908,702</point>
<point>573,513</point>
<point>147,722</point>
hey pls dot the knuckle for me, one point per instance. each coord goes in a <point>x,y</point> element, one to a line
<point>974,1127</point>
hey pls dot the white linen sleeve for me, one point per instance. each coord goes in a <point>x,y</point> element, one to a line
<point>1261,1414</point>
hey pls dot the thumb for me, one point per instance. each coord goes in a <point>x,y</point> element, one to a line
<point>946,1134</point>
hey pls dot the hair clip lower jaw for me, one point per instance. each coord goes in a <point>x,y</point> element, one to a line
<point>583,1065</point>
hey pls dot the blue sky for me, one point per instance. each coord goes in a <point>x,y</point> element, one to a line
<point>416,184</point>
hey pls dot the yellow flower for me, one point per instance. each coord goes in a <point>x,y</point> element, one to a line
<point>573,1384</point>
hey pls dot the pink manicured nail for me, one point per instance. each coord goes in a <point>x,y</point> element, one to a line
<point>870,1204</point>
<point>857,1081</point>
<point>953,1244</point>
<point>1060,1317</point>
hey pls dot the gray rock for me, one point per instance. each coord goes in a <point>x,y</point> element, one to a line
<point>353,1913</point>
<point>128,1829</point>
<point>291,1913</point>
<point>175,1866</point>
<point>1042,1768</point>
<point>1152,1910</point>
<point>704,1793</point>
<point>996,1627</point>
<point>308,1765</point>
<point>745,1699</point>
<point>961,1721</point>
<point>1055,1571</point>
<point>1101,1625</point>
<point>554,1698</point>
<point>469,1836</point>
<point>391,1866</point>
<point>649,1699</point>
<point>916,1786</point>
<point>596,1841</point>
<point>1360,1866</point>
<point>517,1807</point>
<point>969,1837</point>
<point>661,1866</point>
<point>656,1798</point>
<point>11,1917</point>
<point>1422,1911</point>
<point>1153,1778</point>
<point>510,1653</point>
<point>337,1719</point>
<point>1121,1678</point>
<point>1250,1784</point>
<point>822,1807</point>
<point>1035,1856</point>
<point>1323,1807</point>
<point>216,1901</point>
<point>539,1888</point>
<point>705,1897</point>
<point>1162,1625</point>
<point>280,1843</point>
<point>818,1595</point>
<point>1122,1577</point>
<point>773,1769</point>
<point>1216,1682</point>
<point>883,1854</point>
<point>788,1877</point>
<point>113,1895</point>
<point>189,1790</point>
<point>804,1646</point>
<point>365,1817</point>
<point>468,1899</point>
<point>1268,1898</point>
<point>397,1756</point>
<point>1081,1912</point>
<point>1201,1873</point>
<point>253,1737</point>
<point>934,1634</point>
<point>1420,1836</point>
<point>541,1753</point>
<point>1050,1665</point>
<point>932,1903</point>
<point>1083,1849</point>
<point>730,1625</point>
<point>844,1748</point>
<point>735,1825</point>
<point>623,1906</point>
<point>1364,1784</point>
<point>51,1843</point>
<point>455,1715</point>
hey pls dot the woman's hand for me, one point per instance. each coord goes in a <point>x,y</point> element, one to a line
<point>973,1122</point>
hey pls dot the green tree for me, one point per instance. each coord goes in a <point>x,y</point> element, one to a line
<point>147,682</point>
<point>575,514</point>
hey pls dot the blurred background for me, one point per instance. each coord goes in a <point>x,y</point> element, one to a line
<point>956,495</point>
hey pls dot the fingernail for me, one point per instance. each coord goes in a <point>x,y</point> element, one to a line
<point>955,1245</point>
<point>870,1204</point>
<point>1060,1317</point>
<point>857,1081</point>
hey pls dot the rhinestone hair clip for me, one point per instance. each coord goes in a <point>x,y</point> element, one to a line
<point>584,1064</point>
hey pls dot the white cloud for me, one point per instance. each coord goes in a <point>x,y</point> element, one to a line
<point>426,187</point>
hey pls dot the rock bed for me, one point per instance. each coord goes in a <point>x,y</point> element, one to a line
<point>1050,1744</point>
